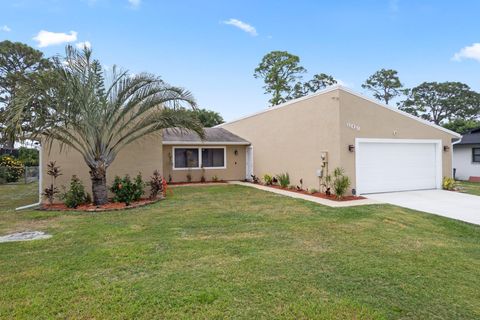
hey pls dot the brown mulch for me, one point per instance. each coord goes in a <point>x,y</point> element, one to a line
<point>194,182</point>
<point>111,206</point>
<point>318,194</point>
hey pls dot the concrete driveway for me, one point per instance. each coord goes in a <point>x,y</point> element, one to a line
<point>455,205</point>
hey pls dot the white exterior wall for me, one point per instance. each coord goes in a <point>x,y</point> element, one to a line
<point>462,161</point>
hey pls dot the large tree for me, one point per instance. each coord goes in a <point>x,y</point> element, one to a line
<point>18,64</point>
<point>99,117</point>
<point>318,82</point>
<point>462,126</point>
<point>280,71</point>
<point>385,85</point>
<point>442,102</point>
<point>208,118</point>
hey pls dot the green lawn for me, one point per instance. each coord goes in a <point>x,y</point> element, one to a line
<point>469,187</point>
<point>237,252</point>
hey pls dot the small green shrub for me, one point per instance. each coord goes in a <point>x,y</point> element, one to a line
<point>283,179</point>
<point>76,194</point>
<point>449,184</point>
<point>156,184</point>
<point>267,179</point>
<point>189,177</point>
<point>313,190</point>
<point>126,190</point>
<point>12,169</point>
<point>215,179</point>
<point>341,182</point>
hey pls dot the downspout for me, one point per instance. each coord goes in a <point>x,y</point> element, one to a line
<point>40,181</point>
<point>453,169</point>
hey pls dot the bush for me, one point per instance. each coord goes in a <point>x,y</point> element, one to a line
<point>313,190</point>
<point>341,182</point>
<point>12,169</point>
<point>53,171</point>
<point>126,190</point>
<point>28,156</point>
<point>215,178</point>
<point>76,194</point>
<point>268,179</point>
<point>156,184</point>
<point>283,179</point>
<point>449,184</point>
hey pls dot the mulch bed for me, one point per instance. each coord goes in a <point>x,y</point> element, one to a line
<point>194,182</point>
<point>111,206</point>
<point>318,194</point>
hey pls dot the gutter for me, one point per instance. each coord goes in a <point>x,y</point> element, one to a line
<point>40,181</point>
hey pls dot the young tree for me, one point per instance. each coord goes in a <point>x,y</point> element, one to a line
<point>208,118</point>
<point>462,126</point>
<point>98,118</point>
<point>385,85</point>
<point>279,70</point>
<point>18,62</point>
<point>440,102</point>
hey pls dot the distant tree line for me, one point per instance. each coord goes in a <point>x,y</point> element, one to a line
<point>453,105</point>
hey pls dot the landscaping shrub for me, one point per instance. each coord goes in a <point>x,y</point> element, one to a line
<point>53,171</point>
<point>215,179</point>
<point>449,184</point>
<point>76,194</point>
<point>12,169</point>
<point>189,177</point>
<point>283,179</point>
<point>126,190</point>
<point>313,190</point>
<point>267,179</point>
<point>28,156</point>
<point>156,184</point>
<point>341,182</point>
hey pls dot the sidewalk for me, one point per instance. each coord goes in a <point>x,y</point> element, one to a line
<point>325,202</point>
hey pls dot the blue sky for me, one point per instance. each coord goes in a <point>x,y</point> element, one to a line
<point>212,47</point>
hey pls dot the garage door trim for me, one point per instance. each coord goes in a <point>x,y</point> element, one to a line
<point>438,155</point>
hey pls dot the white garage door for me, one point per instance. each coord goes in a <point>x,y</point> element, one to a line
<point>397,165</point>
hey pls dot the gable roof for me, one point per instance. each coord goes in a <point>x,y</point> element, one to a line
<point>473,137</point>
<point>340,87</point>
<point>213,136</point>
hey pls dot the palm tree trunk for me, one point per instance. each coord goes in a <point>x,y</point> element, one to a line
<point>99,185</point>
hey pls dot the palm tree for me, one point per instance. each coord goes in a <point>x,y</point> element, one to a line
<point>98,117</point>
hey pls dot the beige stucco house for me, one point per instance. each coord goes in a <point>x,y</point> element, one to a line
<point>380,148</point>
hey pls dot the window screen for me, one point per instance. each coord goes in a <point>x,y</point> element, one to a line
<point>186,158</point>
<point>476,154</point>
<point>213,157</point>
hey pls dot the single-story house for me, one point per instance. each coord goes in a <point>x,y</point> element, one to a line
<point>380,148</point>
<point>466,156</point>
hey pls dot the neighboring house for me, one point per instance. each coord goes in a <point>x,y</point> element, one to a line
<point>466,156</point>
<point>381,148</point>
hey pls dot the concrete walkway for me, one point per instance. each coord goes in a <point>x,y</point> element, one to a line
<point>325,202</point>
<point>455,205</point>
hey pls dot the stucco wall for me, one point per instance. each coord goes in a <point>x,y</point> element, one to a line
<point>462,161</point>
<point>144,155</point>
<point>292,137</point>
<point>375,121</point>
<point>235,169</point>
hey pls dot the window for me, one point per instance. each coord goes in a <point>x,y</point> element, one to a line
<point>196,158</point>
<point>476,154</point>
<point>213,157</point>
<point>186,158</point>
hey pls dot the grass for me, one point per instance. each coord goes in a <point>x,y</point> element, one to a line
<point>236,252</point>
<point>469,187</point>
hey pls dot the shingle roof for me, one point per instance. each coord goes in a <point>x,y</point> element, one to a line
<point>212,136</point>
<point>473,137</point>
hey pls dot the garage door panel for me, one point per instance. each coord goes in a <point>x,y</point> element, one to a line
<point>387,167</point>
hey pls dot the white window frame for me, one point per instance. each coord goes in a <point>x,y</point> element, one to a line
<point>200,160</point>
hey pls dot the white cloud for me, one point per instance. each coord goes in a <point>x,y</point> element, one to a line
<point>81,45</point>
<point>469,52</point>
<point>5,28</point>
<point>242,26</point>
<point>47,38</point>
<point>135,3</point>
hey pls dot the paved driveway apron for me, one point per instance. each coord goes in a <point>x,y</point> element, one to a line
<point>455,205</point>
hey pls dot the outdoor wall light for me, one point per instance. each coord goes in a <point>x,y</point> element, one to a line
<point>446,148</point>
<point>351,148</point>
<point>235,152</point>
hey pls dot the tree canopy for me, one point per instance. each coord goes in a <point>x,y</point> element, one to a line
<point>19,63</point>
<point>441,102</point>
<point>385,85</point>
<point>208,118</point>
